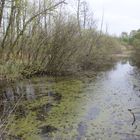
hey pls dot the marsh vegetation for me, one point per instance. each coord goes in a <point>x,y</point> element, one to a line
<point>63,78</point>
<point>47,108</point>
<point>44,37</point>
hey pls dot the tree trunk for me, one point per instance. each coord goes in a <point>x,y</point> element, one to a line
<point>2,3</point>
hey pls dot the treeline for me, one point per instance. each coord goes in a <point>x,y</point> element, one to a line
<point>133,39</point>
<point>43,36</point>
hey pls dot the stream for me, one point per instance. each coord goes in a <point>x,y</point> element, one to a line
<point>106,107</point>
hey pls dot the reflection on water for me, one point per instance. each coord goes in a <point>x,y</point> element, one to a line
<point>30,93</point>
<point>65,108</point>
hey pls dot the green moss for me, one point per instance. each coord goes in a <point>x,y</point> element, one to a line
<point>66,115</point>
<point>24,127</point>
<point>37,103</point>
<point>63,115</point>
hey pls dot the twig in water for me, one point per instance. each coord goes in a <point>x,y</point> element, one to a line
<point>134,118</point>
<point>3,131</point>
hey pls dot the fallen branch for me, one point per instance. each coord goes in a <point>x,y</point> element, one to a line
<point>9,115</point>
<point>134,118</point>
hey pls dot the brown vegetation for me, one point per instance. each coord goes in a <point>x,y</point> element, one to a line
<point>42,37</point>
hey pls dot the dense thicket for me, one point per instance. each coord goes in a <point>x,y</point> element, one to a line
<point>42,36</point>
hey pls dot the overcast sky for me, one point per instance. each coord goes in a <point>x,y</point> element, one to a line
<point>119,15</point>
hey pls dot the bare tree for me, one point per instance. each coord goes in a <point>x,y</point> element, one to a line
<point>85,13</point>
<point>78,13</point>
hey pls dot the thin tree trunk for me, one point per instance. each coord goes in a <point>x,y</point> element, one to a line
<point>28,22</point>
<point>78,14</point>
<point>9,25</point>
<point>1,11</point>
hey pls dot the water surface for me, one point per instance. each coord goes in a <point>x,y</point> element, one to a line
<point>106,108</point>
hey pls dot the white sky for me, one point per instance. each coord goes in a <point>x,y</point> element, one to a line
<point>119,15</point>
